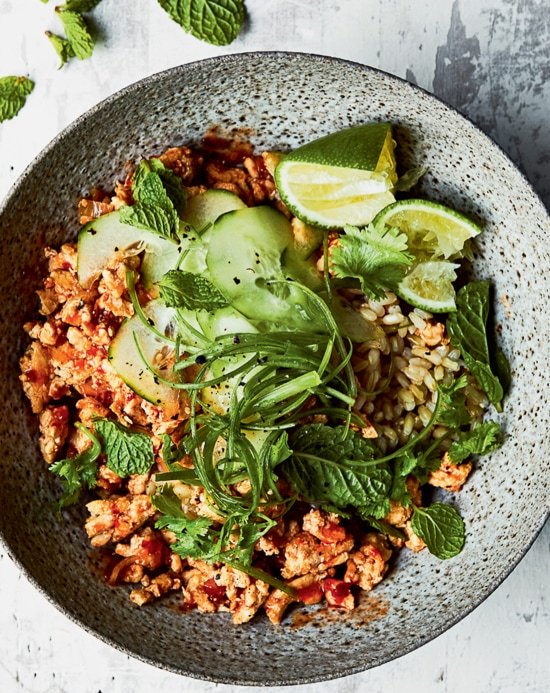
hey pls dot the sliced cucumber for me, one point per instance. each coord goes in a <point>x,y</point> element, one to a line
<point>101,238</point>
<point>245,251</point>
<point>127,362</point>
<point>224,321</point>
<point>202,210</point>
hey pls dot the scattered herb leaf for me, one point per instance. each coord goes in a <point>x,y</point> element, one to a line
<point>13,94</point>
<point>216,21</point>
<point>62,47</point>
<point>77,32</point>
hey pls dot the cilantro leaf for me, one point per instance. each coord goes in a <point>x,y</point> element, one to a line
<point>215,21</point>
<point>377,257</point>
<point>479,441</point>
<point>77,32</point>
<point>77,472</point>
<point>468,330</point>
<point>13,94</point>
<point>81,5</point>
<point>127,452</point>
<point>331,465</point>
<point>441,527</point>
<point>62,47</point>
<point>179,289</point>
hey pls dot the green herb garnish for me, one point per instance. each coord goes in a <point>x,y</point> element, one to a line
<point>215,21</point>
<point>79,472</point>
<point>378,258</point>
<point>127,452</point>
<point>13,94</point>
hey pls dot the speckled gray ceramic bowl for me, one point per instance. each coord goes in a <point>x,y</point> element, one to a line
<point>284,100</point>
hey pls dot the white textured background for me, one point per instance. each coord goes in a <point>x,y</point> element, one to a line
<point>491,62</point>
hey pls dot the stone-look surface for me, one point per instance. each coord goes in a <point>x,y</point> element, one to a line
<point>450,49</point>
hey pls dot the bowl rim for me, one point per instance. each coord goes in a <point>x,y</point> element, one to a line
<point>229,59</point>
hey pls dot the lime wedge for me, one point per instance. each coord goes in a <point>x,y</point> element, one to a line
<point>433,230</point>
<point>344,178</point>
<point>429,285</point>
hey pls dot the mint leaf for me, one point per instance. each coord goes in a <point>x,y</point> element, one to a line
<point>172,184</point>
<point>13,94</point>
<point>441,527</point>
<point>180,289</point>
<point>77,32</point>
<point>154,209</point>
<point>81,5</point>
<point>377,257</point>
<point>127,452</point>
<point>331,465</point>
<point>452,410</point>
<point>154,219</point>
<point>479,441</point>
<point>77,472</point>
<point>215,21</point>
<point>62,47</point>
<point>468,330</point>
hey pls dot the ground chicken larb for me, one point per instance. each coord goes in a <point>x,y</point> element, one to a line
<point>67,376</point>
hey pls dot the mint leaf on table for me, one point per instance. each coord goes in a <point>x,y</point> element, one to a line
<point>215,21</point>
<point>377,257</point>
<point>77,472</point>
<point>479,441</point>
<point>62,47</point>
<point>127,452</point>
<point>179,289</point>
<point>13,94</point>
<point>81,5</point>
<point>468,330</point>
<point>441,528</point>
<point>331,465</point>
<point>77,32</point>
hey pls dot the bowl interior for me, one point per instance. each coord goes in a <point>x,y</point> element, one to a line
<point>279,101</point>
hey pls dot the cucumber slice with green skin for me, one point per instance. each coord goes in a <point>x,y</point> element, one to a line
<point>126,360</point>
<point>245,251</point>
<point>202,210</point>
<point>101,238</point>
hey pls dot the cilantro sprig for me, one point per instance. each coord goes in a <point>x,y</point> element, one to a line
<point>377,257</point>
<point>79,472</point>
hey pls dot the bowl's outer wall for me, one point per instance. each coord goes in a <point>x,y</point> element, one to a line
<point>284,100</point>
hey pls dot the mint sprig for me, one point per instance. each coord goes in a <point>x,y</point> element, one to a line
<point>215,21</point>
<point>81,5</point>
<point>77,32</point>
<point>13,94</point>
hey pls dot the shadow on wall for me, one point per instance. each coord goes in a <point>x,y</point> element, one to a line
<point>503,86</point>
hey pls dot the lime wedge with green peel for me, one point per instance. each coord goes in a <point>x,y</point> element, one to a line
<point>344,178</point>
<point>433,230</point>
<point>429,285</point>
